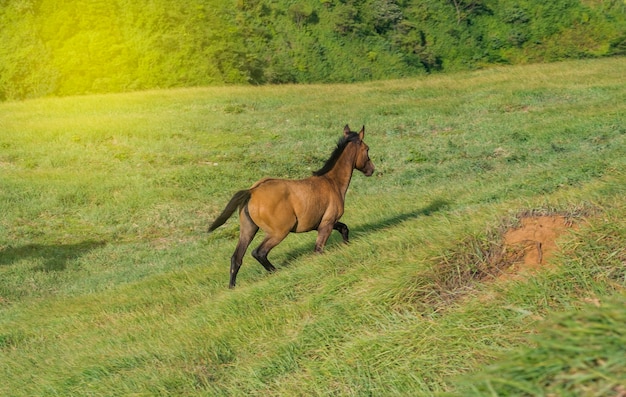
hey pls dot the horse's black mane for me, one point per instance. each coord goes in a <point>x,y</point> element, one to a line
<point>341,145</point>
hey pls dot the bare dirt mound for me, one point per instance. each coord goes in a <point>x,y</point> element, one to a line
<point>534,241</point>
<point>536,238</point>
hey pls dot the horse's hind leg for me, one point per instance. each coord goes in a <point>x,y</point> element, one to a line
<point>247,230</point>
<point>343,229</point>
<point>261,252</point>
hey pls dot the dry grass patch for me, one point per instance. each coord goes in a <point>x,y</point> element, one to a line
<point>519,246</point>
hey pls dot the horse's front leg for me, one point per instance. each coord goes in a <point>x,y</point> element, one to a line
<point>323,232</point>
<point>343,229</point>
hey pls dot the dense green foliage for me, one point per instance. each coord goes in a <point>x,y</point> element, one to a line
<point>110,285</point>
<point>62,47</point>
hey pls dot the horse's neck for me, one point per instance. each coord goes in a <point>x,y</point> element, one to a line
<point>341,173</point>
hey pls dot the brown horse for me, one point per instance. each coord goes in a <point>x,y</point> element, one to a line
<point>281,206</point>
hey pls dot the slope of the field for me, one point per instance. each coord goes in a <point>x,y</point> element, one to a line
<point>486,249</point>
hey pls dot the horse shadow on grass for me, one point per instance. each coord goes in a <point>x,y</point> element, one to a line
<point>49,257</point>
<point>358,231</point>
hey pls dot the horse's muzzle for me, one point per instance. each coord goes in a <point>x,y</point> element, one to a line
<point>368,170</point>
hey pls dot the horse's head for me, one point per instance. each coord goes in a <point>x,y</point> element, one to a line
<point>362,162</point>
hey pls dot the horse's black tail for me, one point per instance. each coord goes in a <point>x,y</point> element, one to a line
<point>239,199</point>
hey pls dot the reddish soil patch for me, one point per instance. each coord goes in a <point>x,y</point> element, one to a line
<point>504,254</point>
<point>534,241</point>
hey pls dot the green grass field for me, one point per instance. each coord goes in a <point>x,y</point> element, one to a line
<point>110,285</point>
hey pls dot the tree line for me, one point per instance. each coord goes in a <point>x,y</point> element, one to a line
<point>68,47</point>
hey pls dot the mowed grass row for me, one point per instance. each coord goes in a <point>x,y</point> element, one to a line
<point>109,284</point>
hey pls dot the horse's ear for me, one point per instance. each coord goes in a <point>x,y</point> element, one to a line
<point>362,133</point>
<point>346,130</point>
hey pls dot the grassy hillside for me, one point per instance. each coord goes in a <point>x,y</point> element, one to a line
<point>110,285</point>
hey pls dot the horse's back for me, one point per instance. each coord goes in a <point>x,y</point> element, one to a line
<point>286,204</point>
